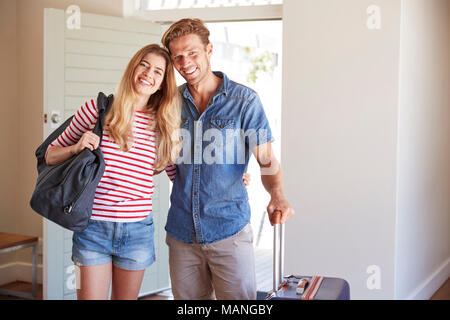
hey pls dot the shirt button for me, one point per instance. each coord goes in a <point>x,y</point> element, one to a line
<point>196,216</point>
<point>195,193</point>
<point>195,170</point>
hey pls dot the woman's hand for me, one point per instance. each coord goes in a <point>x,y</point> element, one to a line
<point>246,179</point>
<point>88,140</point>
<point>56,155</point>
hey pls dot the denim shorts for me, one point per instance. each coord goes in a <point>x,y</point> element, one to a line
<point>128,245</point>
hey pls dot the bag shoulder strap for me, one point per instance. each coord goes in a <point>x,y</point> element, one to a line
<point>103,105</point>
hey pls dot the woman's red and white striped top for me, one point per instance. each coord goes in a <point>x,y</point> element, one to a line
<point>124,193</point>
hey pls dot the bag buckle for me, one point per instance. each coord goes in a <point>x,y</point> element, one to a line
<point>68,209</point>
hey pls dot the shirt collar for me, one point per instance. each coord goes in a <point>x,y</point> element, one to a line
<point>224,87</point>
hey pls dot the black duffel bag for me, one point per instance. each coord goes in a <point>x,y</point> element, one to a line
<point>64,193</point>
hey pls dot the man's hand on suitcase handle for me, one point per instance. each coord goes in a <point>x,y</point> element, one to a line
<point>278,217</point>
<point>279,211</point>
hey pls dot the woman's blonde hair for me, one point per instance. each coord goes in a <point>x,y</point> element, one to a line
<point>165,105</point>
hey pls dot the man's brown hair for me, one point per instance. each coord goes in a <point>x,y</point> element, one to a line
<point>184,27</point>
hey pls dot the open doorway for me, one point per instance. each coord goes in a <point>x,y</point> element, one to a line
<point>250,53</point>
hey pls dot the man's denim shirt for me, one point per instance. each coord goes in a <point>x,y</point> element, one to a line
<point>209,200</point>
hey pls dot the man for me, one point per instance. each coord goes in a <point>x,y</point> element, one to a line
<point>208,231</point>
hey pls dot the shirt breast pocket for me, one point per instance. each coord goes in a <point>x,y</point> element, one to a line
<point>222,124</point>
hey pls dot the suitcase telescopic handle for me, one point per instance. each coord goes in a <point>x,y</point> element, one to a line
<point>278,250</point>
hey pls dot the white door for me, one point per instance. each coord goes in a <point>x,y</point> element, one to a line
<point>78,63</point>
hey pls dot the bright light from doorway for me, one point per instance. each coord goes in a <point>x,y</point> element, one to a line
<point>188,4</point>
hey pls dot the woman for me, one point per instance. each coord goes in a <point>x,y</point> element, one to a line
<point>139,138</point>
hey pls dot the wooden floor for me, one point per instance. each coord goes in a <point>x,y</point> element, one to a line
<point>443,293</point>
<point>20,286</point>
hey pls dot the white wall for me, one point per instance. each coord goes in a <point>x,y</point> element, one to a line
<point>365,143</point>
<point>9,142</point>
<point>339,140</point>
<point>423,222</point>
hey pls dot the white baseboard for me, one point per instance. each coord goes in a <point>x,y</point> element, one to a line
<point>431,284</point>
<point>18,271</point>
